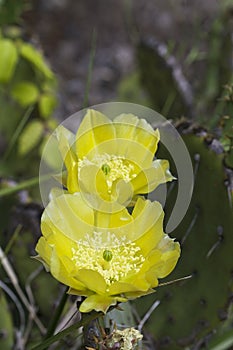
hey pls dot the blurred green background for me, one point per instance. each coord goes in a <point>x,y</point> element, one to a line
<point>176,57</point>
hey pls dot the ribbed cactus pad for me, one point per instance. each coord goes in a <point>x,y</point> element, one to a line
<point>191,309</point>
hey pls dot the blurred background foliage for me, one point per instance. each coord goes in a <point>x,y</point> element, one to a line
<point>27,96</point>
<point>175,57</point>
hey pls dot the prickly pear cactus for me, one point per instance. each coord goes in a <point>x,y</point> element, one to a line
<point>158,74</point>
<point>190,310</point>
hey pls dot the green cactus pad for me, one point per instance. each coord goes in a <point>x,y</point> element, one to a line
<point>191,309</point>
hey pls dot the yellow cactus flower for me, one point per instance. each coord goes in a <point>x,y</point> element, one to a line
<point>112,160</point>
<point>107,258</point>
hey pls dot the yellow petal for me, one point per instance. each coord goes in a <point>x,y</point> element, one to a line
<point>72,183</point>
<point>94,187</point>
<point>93,184</point>
<point>99,303</point>
<point>145,215</point>
<point>108,146</point>
<point>150,239</point>
<point>139,280</point>
<point>163,173</point>
<point>67,213</point>
<point>145,181</point>
<point>129,149</point>
<point>83,292</point>
<point>164,262</point>
<point>94,129</point>
<point>152,278</point>
<point>122,192</point>
<point>169,262</point>
<point>116,221</point>
<point>118,288</point>
<point>132,284</point>
<point>92,280</point>
<point>66,142</point>
<point>129,126</point>
<point>44,250</point>
<point>137,294</point>
<point>70,215</point>
<point>56,192</point>
<point>63,245</point>
<point>135,152</point>
<point>149,179</point>
<point>59,271</point>
<point>61,177</point>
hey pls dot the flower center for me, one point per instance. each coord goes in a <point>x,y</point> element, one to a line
<point>113,167</point>
<point>113,258</point>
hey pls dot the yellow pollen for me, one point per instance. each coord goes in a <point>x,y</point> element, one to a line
<point>114,167</point>
<point>112,258</point>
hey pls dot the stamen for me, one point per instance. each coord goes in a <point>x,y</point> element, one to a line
<point>114,167</point>
<point>113,264</point>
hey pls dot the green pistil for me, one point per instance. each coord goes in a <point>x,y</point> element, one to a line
<point>106,169</point>
<point>107,255</point>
